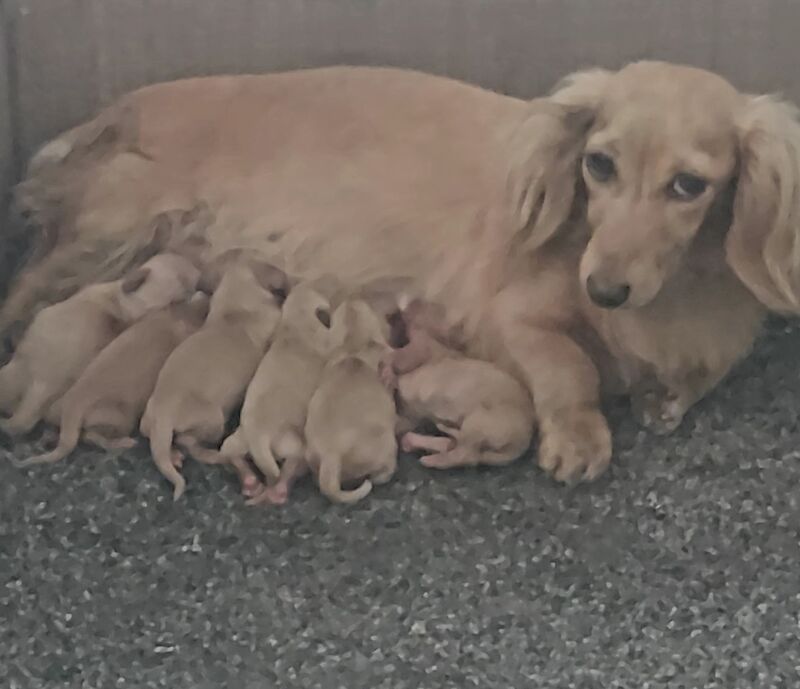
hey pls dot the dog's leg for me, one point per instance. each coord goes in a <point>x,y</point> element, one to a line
<point>495,436</point>
<point>120,442</point>
<point>29,411</point>
<point>457,457</point>
<point>12,384</point>
<point>278,493</point>
<point>234,451</point>
<point>432,443</point>
<point>661,406</point>
<point>575,442</point>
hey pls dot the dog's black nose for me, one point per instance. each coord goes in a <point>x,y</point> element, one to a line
<point>609,296</point>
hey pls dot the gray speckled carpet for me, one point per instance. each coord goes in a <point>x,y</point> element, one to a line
<point>680,568</point>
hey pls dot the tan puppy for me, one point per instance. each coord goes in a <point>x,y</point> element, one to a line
<point>65,337</point>
<point>205,378</point>
<point>109,398</point>
<point>350,430</point>
<point>486,414</point>
<point>274,410</point>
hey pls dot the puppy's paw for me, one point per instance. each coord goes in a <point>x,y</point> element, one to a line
<point>277,494</point>
<point>575,445</point>
<point>658,413</point>
<point>177,457</point>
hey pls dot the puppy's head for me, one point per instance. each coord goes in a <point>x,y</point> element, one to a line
<point>357,326</point>
<point>163,280</point>
<point>307,312</point>
<point>673,156</point>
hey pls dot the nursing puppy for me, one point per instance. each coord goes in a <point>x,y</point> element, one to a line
<point>64,338</point>
<point>205,378</point>
<point>486,414</point>
<point>274,411</point>
<point>108,400</point>
<point>350,430</point>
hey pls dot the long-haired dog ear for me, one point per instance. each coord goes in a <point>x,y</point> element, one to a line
<point>762,243</point>
<point>584,89</point>
<point>546,150</point>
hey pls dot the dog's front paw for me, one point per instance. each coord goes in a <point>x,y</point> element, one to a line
<point>575,445</point>
<point>658,410</point>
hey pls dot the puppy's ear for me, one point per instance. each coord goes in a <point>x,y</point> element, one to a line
<point>762,243</point>
<point>545,151</point>
<point>271,278</point>
<point>198,305</point>
<point>134,280</point>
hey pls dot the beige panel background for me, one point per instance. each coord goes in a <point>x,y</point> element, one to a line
<point>74,55</point>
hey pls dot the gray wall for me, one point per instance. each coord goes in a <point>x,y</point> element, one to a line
<point>7,162</point>
<point>70,56</point>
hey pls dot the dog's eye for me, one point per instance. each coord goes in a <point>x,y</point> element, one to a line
<point>686,186</point>
<point>600,166</point>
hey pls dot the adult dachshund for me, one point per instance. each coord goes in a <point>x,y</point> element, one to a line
<point>628,232</point>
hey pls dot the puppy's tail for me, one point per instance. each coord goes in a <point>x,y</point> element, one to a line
<point>264,457</point>
<point>161,448</point>
<point>68,437</point>
<point>330,483</point>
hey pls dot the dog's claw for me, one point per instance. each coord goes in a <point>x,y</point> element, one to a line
<point>575,446</point>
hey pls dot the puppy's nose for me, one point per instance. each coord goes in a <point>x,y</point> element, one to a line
<point>605,294</point>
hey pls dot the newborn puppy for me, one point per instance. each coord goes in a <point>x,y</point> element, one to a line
<point>486,414</point>
<point>274,411</point>
<point>350,430</point>
<point>65,337</point>
<point>107,401</point>
<point>204,379</point>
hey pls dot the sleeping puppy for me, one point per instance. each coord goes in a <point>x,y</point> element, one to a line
<point>65,337</point>
<point>350,430</point>
<point>274,411</point>
<point>485,413</point>
<point>108,400</point>
<point>205,378</point>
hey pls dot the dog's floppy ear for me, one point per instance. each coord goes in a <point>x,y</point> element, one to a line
<point>134,280</point>
<point>583,89</point>
<point>545,166</point>
<point>546,150</point>
<point>762,243</point>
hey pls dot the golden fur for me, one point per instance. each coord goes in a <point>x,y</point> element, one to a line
<point>482,201</point>
<point>485,414</point>
<point>107,401</point>
<point>274,411</point>
<point>204,379</point>
<point>350,429</point>
<point>64,338</point>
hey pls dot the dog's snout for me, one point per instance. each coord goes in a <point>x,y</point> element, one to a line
<point>609,295</point>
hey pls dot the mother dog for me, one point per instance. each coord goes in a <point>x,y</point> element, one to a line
<point>629,231</point>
